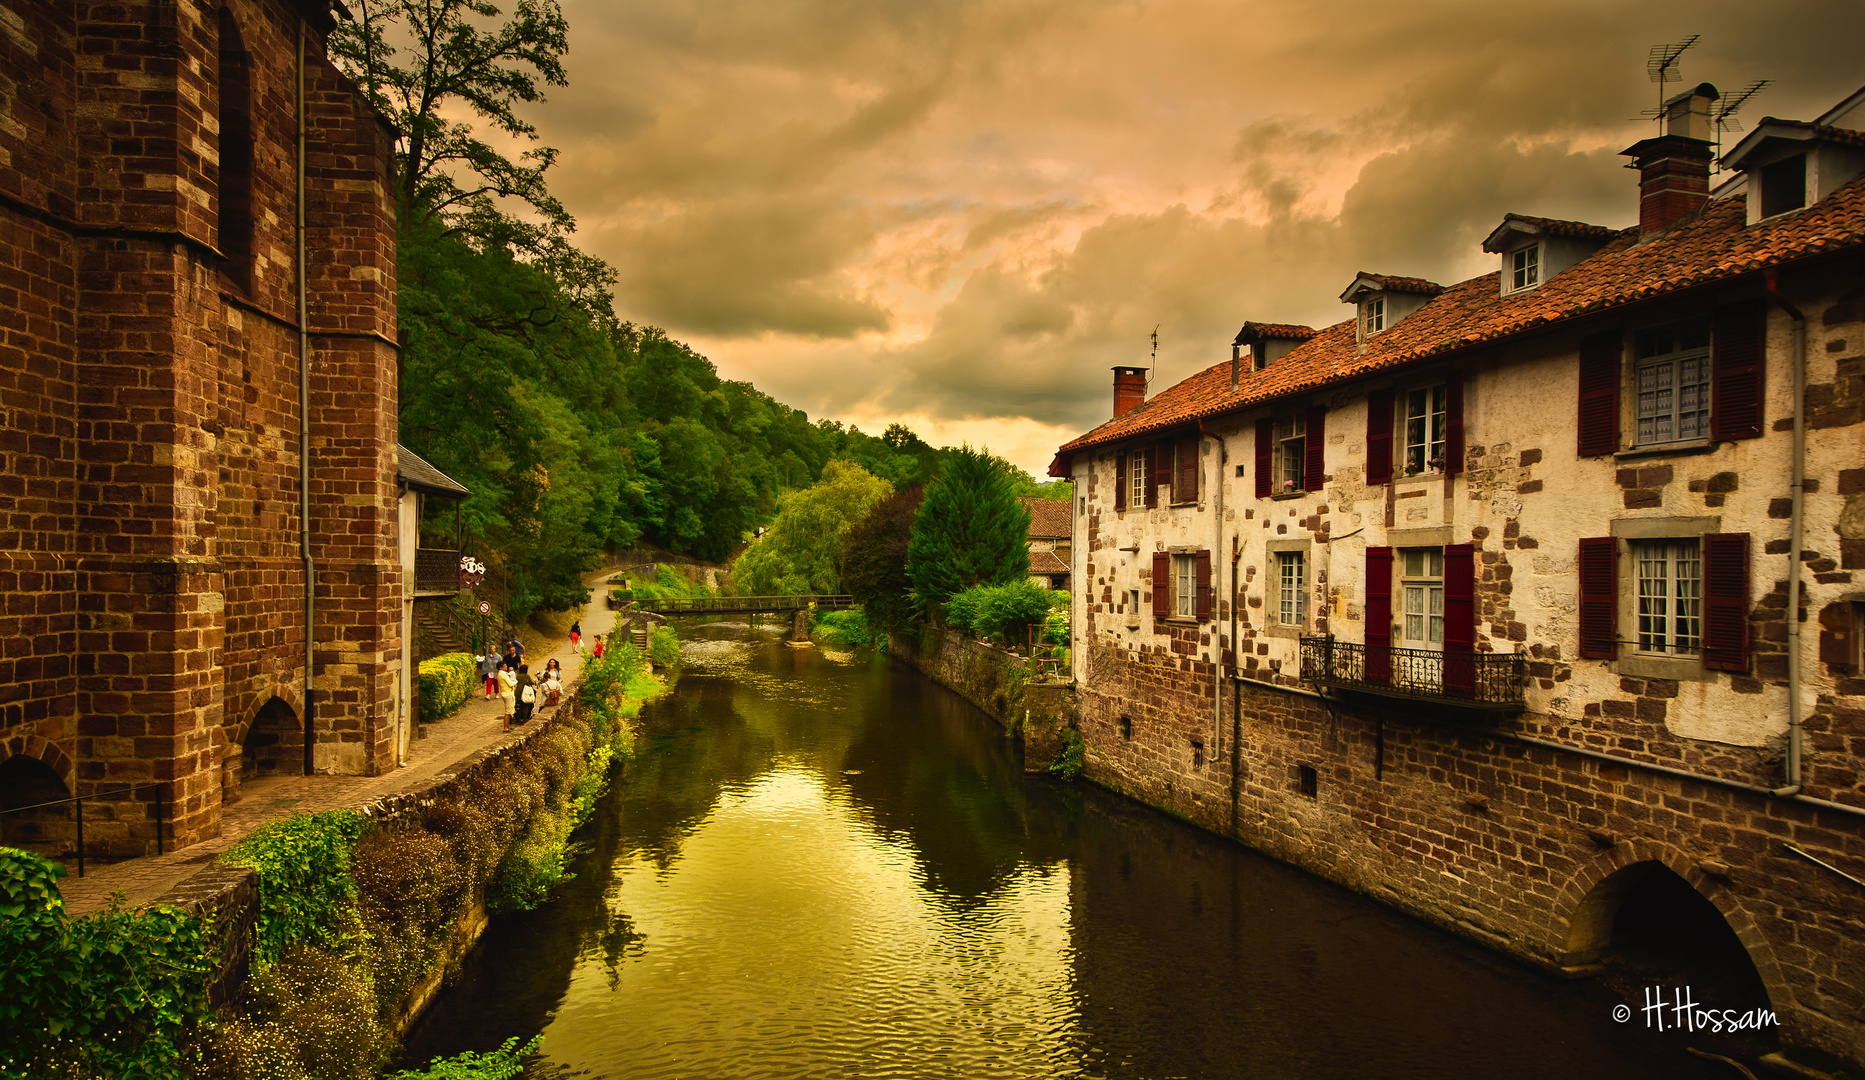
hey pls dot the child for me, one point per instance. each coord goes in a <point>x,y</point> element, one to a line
<point>598,649</point>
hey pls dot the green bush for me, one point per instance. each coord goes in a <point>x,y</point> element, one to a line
<point>664,646</point>
<point>843,627</point>
<point>446,682</point>
<point>1068,763</point>
<point>501,1064</point>
<point>962,610</point>
<point>307,890</point>
<point>311,1017</point>
<point>1001,613</point>
<point>108,995</point>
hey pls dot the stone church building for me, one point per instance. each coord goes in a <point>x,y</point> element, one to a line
<point>1530,604</point>
<point>198,393</point>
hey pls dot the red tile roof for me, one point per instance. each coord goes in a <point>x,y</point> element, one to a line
<point>1550,226</point>
<point>1716,246</point>
<point>1263,331</point>
<point>1394,283</point>
<point>1049,518</point>
<point>1047,562</point>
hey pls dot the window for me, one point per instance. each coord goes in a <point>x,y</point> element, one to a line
<point>1670,596</point>
<point>1291,454</point>
<point>1373,316</point>
<point>1290,591</point>
<point>1525,268</point>
<point>1184,585</point>
<point>1784,185</point>
<point>1133,602</point>
<point>1422,579</point>
<point>234,182</point>
<point>1673,382</point>
<point>1138,476</point>
<point>1424,429</point>
<point>1307,781</point>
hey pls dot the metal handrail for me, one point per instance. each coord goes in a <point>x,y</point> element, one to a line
<point>739,604</point>
<point>80,799</point>
<point>1479,680</point>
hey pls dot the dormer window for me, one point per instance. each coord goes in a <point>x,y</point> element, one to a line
<point>1784,185</point>
<point>1373,315</point>
<point>1525,268</point>
<point>1382,300</point>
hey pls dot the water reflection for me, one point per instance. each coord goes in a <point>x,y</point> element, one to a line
<point>822,865</point>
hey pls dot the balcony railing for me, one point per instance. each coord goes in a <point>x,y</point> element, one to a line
<point>1491,681</point>
<point>436,570</point>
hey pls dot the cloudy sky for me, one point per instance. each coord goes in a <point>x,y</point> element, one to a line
<point>960,213</point>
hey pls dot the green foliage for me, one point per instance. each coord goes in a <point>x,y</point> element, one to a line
<point>802,552</point>
<point>1068,763</point>
<point>664,646</point>
<point>842,627</point>
<point>1001,613</point>
<point>446,682</point>
<point>666,583</point>
<point>109,995</point>
<point>312,1016</point>
<point>307,891</point>
<point>501,1064</point>
<point>971,530</point>
<point>874,562</point>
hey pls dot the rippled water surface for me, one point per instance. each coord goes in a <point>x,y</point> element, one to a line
<point>823,865</point>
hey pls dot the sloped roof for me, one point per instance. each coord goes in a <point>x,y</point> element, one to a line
<point>1050,519</point>
<point>1549,226</point>
<point>1365,282</point>
<point>1262,331</point>
<point>1716,246</point>
<point>1047,562</point>
<point>1771,129</point>
<point>415,471</point>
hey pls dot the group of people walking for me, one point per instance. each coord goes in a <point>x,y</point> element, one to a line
<point>509,678</point>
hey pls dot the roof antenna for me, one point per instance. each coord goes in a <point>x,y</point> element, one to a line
<point>1725,115</point>
<point>1155,363</point>
<point>1661,66</point>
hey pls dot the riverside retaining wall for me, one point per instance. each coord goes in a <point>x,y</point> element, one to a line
<point>998,682</point>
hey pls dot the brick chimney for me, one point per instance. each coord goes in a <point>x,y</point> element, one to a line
<point>1674,168</point>
<point>1129,389</point>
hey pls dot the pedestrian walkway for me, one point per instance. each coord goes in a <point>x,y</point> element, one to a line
<point>478,725</point>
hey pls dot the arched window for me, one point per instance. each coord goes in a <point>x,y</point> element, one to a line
<point>235,194</point>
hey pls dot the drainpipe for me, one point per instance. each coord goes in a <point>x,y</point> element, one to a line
<point>1795,529</point>
<point>1217,549</point>
<point>304,432</point>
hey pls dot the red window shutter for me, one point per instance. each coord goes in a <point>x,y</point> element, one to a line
<point>1162,585</point>
<point>1158,469</point>
<point>1265,453</point>
<point>1379,615</point>
<point>1315,436</point>
<point>1599,394</point>
<point>1737,348</point>
<point>1599,598</point>
<point>1379,437</point>
<point>1459,619</point>
<point>1204,586</point>
<point>1725,601</point>
<point>1120,479</point>
<point>1187,488</point>
<point>1453,434</point>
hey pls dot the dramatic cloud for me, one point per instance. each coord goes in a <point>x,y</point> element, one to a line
<point>959,214</point>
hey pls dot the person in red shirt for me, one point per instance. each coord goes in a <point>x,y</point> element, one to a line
<point>597,649</point>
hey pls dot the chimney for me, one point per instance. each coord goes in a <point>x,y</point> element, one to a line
<point>1674,168</point>
<point>1129,390</point>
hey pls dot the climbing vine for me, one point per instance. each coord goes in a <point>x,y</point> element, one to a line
<point>307,885</point>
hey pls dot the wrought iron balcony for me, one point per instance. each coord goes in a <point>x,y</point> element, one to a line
<point>1487,681</point>
<point>436,570</point>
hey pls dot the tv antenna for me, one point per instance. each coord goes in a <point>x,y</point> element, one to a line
<point>1725,113</point>
<point>1661,66</point>
<point>1155,362</point>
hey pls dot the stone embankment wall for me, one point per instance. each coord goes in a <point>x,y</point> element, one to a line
<point>998,682</point>
<point>231,895</point>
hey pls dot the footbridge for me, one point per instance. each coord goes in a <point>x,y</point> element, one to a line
<point>738,605</point>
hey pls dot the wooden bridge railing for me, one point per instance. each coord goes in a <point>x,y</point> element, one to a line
<point>740,605</point>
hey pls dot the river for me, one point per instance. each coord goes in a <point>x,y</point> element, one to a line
<point>823,865</point>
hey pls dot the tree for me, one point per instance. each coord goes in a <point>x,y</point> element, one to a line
<point>874,561</point>
<point>971,530</point>
<point>802,552</point>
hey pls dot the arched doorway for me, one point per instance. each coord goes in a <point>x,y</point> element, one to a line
<point>52,831</point>
<point>274,744</point>
<point>1650,928</point>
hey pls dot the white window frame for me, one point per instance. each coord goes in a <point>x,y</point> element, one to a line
<point>1421,598</point>
<point>1137,479</point>
<point>1184,595</point>
<point>1522,269</point>
<point>1291,588</point>
<point>1433,421</point>
<point>1671,389</point>
<point>1372,316</point>
<point>1291,452</point>
<point>1668,596</point>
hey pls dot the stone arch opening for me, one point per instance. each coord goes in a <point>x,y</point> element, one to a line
<point>274,743</point>
<point>1651,927</point>
<point>27,781</point>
